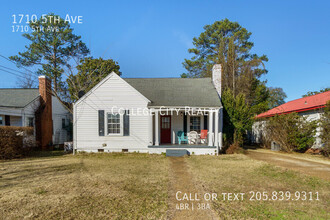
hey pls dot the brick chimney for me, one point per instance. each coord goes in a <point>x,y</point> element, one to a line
<point>44,114</point>
<point>216,77</point>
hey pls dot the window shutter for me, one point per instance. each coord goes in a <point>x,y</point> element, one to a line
<point>126,123</point>
<point>205,122</point>
<point>185,123</point>
<point>101,122</point>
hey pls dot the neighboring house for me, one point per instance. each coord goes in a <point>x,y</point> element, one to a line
<point>312,107</point>
<point>134,114</point>
<point>36,108</point>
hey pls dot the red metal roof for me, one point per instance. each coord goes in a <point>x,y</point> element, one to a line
<point>299,105</point>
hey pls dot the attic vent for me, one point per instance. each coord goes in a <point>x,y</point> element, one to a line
<point>305,102</point>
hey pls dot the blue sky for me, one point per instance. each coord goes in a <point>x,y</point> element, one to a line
<point>151,38</point>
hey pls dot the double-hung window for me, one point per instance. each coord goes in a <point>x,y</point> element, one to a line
<point>195,123</point>
<point>30,122</point>
<point>114,121</point>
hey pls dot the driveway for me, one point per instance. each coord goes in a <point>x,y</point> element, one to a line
<point>302,164</point>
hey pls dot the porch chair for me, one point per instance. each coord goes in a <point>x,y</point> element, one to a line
<point>203,137</point>
<point>192,137</point>
<point>181,137</point>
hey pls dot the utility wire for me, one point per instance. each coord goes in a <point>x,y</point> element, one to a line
<point>12,69</point>
<point>16,63</point>
<point>15,74</point>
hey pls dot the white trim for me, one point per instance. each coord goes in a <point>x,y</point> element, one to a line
<point>216,130</point>
<point>112,74</point>
<point>121,124</point>
<point>74,136</point>
<point>210,128</point>
<point>156,128</point>
<point>150,129</point>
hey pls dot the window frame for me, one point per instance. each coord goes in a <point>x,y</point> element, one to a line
<point>200,124</point>
<point>1,121</point>
<point>121,124</point>
<point>28,121</point>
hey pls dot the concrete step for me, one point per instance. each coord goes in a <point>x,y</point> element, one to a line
<point>176,152</point>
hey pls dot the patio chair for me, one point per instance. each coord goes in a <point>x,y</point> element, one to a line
<point>192,137</point>
<point>203,137</point>
<point>181,137</point>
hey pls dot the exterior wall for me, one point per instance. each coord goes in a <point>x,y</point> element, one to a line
<point>59,112</point>
<point>311,116</point>
<point>258,132</point>
<point>16,121</point>
<point>111,92</point>
<point>177,125</point>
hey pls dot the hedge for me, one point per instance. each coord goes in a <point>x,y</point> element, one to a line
<point>16,142</point>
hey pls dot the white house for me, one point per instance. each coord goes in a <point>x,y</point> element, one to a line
<point>310,107</point>
<point>146,115</point>
<point>36,108</point>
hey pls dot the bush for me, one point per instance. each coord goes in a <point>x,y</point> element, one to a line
<point>291,131</point>
<point>325,131</point>
<point>234,149</point>
<point>15,142</point>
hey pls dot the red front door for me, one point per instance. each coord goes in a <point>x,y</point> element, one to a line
<point>165,129</point>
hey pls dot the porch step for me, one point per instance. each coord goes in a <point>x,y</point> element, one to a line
<point>176,153</point>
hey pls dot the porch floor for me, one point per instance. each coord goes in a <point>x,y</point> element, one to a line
<point>181,146</point>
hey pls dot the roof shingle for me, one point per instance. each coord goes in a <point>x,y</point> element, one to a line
<point>192,92</point>
<point>17,98</point>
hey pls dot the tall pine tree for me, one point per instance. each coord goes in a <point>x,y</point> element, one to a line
<point>51,46</point>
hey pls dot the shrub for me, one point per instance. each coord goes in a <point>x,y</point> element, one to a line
<point>234,149</point>
<point>325,131</point>
<point>291,131</point>
<point>15,142</point>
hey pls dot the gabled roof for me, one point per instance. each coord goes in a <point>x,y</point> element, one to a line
<point>299,105</point>
<point>17,98</point>
<point>192,92</point>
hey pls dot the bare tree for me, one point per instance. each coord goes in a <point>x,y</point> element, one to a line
<point>27,81</point>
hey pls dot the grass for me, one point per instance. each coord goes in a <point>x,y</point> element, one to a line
<point>135,186</point>
<point>240,174</point>
<point>86,186</point>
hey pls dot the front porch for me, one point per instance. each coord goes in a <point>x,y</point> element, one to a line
<point>181,146</point>
<point>166,122</point>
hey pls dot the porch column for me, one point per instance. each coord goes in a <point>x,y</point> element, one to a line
<point>216,128</point>
<point>156,127</point>
<point>210,128</point>
<point>151,141</point>
<point>221,129</point>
